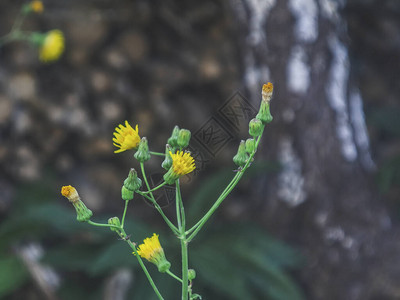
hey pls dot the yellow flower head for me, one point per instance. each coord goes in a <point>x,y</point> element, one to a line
<point>267,90</point>
<point>126,138</point>
<point>152,251</point>
<point>182,163</point>
<point>36,6</point>
<point>52,46</point>
<point>70,192</point>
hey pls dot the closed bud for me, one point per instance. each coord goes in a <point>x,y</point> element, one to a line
<point>264,114</point>
<point>126,194</point>
<point>241,157</point>
<point>167,163</point>
<point>183,138</point>
<point>250,145</point>
<point>255,127</point>
<point>115,222</point>
<point>131,184</point>
<point>173,140</point>
<point>143,154</point>
<point>191,274</point>
<point>83,213</point>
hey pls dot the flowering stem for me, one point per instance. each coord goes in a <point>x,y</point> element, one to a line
<point>156,205</point>
<point>121,232</point>
<point>180,215</point>
<point>132,245</point>
<point>124,213</point>
<point>173,275</point>
<point>197,227</point>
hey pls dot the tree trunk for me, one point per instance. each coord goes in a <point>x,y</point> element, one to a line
<point>323,198</point>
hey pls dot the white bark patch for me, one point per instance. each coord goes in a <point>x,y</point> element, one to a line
<point>360,129</point>
<point>259,12</point>
<point>329,9</point>
<point>298,72</point>
<point>306,14</point>
<point>290,180</point>
<point>336,94</point>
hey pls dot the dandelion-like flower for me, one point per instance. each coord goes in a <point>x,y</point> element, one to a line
<point>152,251</point>
<point>126,138</point>
<point>52,46</point>
<point>36,6</point>
<point>70,192</point>
<point>182,164</point>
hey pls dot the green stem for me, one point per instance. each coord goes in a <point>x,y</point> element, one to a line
<point>173,276</point>
<point>185,283</point>
<point>156,188</point>
<point>124,213</point>
<point>180,215</point>
<point>102,225</point>
<point>156,205</point>
<point>223,195</point>
<point>157,153</point>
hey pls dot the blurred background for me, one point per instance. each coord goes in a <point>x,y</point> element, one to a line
<point>317,215</point>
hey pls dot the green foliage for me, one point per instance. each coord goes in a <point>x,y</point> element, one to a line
<point>12,274</point>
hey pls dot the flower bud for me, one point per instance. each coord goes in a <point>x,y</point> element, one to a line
<point>241,157</point>
<point>183,138</point>
<point>250,145</point>
<point>191,274</point>
<point>126,194</point>
<point>83,213</point>
<point>264,114</point>
<point>143,154</point>
<point>173,140</point>
<point>114,221</point>
<point>167,163</point>
<point>255,127</point>
<point>131,184</point>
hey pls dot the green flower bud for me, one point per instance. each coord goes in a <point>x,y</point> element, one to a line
<point>143,154</point>
<point>83,213</point>
<point>255,127</point>
<point>264,115</point>
<point>114,221</point>
<point>250,145</point>
<point>126,194</point>
<point>131,184</point>
<point>241,157</point>
<point>167,163</point>
<point>163,266</point>
<point>183,138</point>
<point>173,140</point>
<point>191,274</point>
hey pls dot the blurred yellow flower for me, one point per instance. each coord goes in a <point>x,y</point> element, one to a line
<point>52,46</point>
<point>69,192</point>
<point>126,138</point>
<point>152,251</point>
<point>37,6</point>
<point>182,163</point>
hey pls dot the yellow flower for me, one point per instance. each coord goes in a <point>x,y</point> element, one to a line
<point>152,251</point>
<point>37,6</point>
<point>182,163</point>
<point>52,46</point>
<point>70,192</point>
<point>126,138</point>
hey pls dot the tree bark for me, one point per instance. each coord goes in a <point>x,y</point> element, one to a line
<point>323,198</point>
